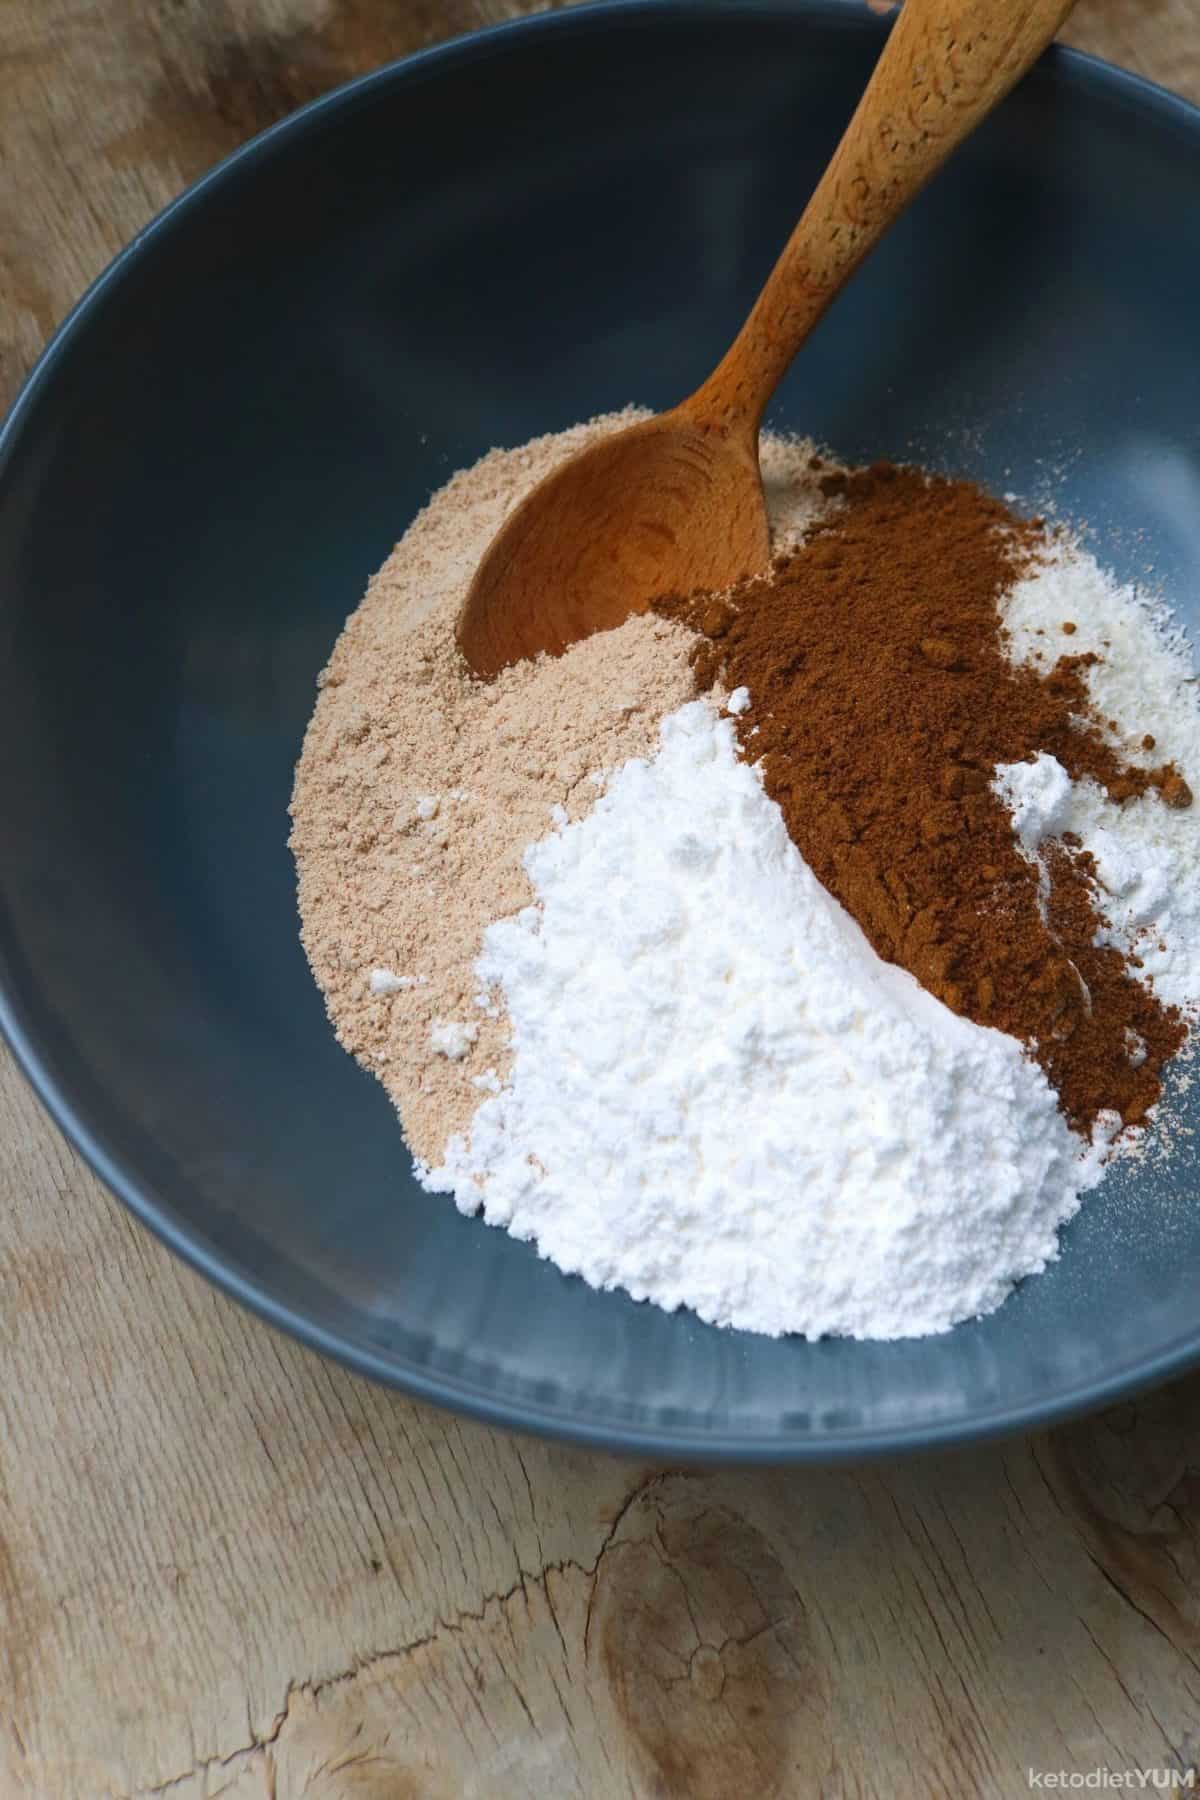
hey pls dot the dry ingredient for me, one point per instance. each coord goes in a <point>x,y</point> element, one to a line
<point>418,789</point>
<point>722,1098</point>
<point>883,699</point>
<point>678,1063</point>
<point>1147,857</point>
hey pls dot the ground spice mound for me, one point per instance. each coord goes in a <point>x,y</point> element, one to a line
<point>882,700</point>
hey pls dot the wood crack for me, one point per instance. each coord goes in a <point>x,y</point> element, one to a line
<point>262,1743</point>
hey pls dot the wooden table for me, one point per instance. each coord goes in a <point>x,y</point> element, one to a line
<point>228,1568</point>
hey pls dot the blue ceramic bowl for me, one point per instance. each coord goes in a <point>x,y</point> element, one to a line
<point>487,241</point>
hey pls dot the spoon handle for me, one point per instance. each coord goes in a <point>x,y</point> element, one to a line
<point>946,64</point>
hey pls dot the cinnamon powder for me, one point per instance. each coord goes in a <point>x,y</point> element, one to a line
<point>882,701</point>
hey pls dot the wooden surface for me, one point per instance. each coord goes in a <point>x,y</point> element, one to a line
<point>227,1568</point>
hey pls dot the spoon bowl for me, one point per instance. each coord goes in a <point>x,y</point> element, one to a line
<point>669,505</point>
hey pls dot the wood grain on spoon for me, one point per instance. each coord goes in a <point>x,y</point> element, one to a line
<point>676,502</point>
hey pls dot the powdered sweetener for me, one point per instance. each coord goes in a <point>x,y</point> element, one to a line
<point>721,1097</point>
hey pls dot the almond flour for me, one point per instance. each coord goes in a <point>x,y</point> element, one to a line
<point>419,789</point>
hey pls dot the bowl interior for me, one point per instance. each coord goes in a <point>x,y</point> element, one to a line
<point>491,241</point>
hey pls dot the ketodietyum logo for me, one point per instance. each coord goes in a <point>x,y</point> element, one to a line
<point>1128,1781</point>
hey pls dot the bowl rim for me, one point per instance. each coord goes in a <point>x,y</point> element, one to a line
<point>1091,74</point>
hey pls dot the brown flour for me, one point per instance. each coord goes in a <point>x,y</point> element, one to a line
<point>418,790</point>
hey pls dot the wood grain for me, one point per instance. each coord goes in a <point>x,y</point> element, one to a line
<point>227,1568</point>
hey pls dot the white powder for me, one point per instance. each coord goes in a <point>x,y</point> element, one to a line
<point>1147,853</point>
<point>721,1097</point>
<point>386,981</point>
<point>1146,677</point>
<point>1147,858</point>
<point>451,1038</point>
<point>1038,795</point>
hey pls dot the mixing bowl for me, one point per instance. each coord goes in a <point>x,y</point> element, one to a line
<point>485,242</point>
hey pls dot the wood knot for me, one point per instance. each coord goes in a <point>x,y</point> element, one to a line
<point>707,1649</point>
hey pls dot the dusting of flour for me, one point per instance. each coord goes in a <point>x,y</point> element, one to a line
<point>721,1097</point>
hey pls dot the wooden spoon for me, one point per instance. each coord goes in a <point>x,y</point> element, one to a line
<point>676,503</point>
